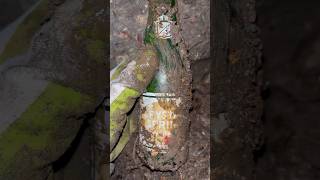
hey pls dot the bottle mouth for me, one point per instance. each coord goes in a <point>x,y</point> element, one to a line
<point>158,95</point>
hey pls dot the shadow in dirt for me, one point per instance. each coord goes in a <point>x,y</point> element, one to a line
<point>290,31</point>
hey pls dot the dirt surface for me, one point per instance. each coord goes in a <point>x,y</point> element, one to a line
<point>291,38</point>
<point>194,22</point>
<point>237,105</point>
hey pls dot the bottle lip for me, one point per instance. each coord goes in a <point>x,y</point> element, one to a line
<point>157,95</point>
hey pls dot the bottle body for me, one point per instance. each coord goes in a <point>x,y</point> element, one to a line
<point>164,107</point>
<point>163,131</point>
<point>164,121</point>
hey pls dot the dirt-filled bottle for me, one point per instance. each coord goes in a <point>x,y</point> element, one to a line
<point>164,121</point>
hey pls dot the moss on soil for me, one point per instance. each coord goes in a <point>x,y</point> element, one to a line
<point>149,36</point>
<point>91,33</point>
<point>120,105</point>
<point>36,127</point>
<point>96,50</point>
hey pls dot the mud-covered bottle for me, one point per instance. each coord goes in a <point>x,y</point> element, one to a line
<point>164,122</point>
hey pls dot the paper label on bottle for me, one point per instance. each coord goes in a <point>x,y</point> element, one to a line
<point>158,121</point>
<point>163,27</point>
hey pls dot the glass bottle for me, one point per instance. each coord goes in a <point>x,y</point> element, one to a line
<point>164,122</point>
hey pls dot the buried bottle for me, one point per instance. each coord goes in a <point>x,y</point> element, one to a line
<point>164,107</point>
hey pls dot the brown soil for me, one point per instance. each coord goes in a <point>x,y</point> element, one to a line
<point>291,38</point>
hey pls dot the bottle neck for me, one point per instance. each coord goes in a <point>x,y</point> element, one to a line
<point>158,34</point>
